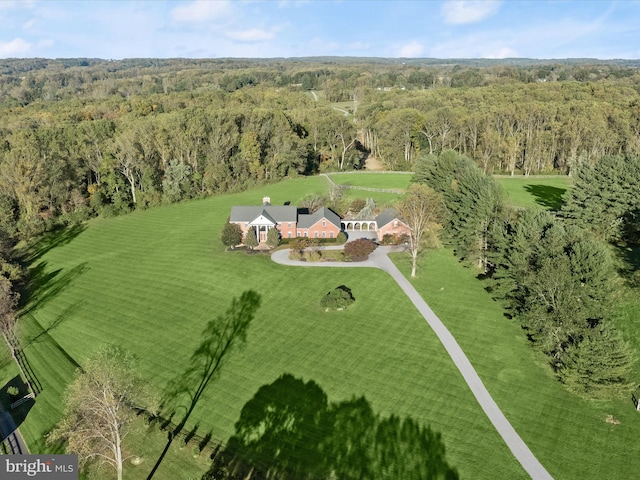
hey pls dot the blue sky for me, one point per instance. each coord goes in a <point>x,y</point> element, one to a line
<point>269,28</point>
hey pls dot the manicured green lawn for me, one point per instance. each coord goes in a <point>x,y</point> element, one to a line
<point>568,435</point>
<point>373,179</point>
<point>535,192</point>
<point>150,281</point>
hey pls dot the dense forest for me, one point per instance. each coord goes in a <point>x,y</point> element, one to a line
<point>84,137</point>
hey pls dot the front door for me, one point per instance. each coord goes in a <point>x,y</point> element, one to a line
<point>263,236</point>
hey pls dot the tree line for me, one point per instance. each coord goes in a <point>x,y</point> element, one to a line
<point>83,137</point>
<point>536,128</point>
<point>73,162</point>
<point>554,273</point>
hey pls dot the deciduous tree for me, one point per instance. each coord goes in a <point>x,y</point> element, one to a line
<point>98,413</point>
<point>231,235</point>
<point>422,209</point>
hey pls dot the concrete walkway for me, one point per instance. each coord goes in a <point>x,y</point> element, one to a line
<point>379,259</point>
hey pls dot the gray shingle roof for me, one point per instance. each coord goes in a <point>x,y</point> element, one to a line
<point>389,215</point>
<point>306,221</point>
<point>286,213</point>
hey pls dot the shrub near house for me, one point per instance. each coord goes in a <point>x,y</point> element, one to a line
<point>359,249</point>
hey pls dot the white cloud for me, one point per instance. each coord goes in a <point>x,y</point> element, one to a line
<point>252,35</point>
<point>14,48</point>
<point>458,12</point>
<point>200,11</point>
<point>411,49</point>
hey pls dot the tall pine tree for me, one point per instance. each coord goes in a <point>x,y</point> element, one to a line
<point>605,198</point>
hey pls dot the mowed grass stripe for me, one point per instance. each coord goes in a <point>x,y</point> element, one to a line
<point>154,279</point>
<point>570,436</point>
<point>532,192</point>
<point>373,180</point>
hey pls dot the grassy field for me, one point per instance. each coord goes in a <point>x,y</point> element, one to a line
<point>531,191</point>
<point>373,180</point>
<point>150,281</point>
<point>553,422</point>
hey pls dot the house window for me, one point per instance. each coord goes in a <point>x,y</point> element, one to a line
<point>395,223</point>
<point>324,223</point>
<point>316,235</point>
<point>289,235</point>
<point>306,233</point>
<point>289,224</point>
<point>324,234</point>
<point>246,224</point>
<point>330,234</point>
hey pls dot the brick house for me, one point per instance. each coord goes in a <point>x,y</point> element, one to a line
<point>389,222</point>
<point>292,222</point>
<point>287,219</point>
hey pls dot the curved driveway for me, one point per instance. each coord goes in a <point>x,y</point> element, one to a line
<point>379,259</point>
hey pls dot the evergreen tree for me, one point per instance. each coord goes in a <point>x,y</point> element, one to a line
<point>560,284</point>
<point>599,365</point>
<point>605,198</point>
<point>474,204</point>
<point>250,239</point>
<point>273,238</point>
<point>473,200</point>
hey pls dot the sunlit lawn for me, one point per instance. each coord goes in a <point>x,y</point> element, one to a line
<point>373,179</point>
<point>568,435</point>
<point>547,192</point>
<point>150,281</point>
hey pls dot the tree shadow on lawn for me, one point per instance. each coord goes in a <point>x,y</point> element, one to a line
<point>547,196</point>
<point>289,431</point>
<point>49,241</point>
<point>44,286</point>
<point>64,315</point>
<point>220,337</point>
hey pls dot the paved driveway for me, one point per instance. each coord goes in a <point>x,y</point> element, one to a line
<point>379,259</point>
